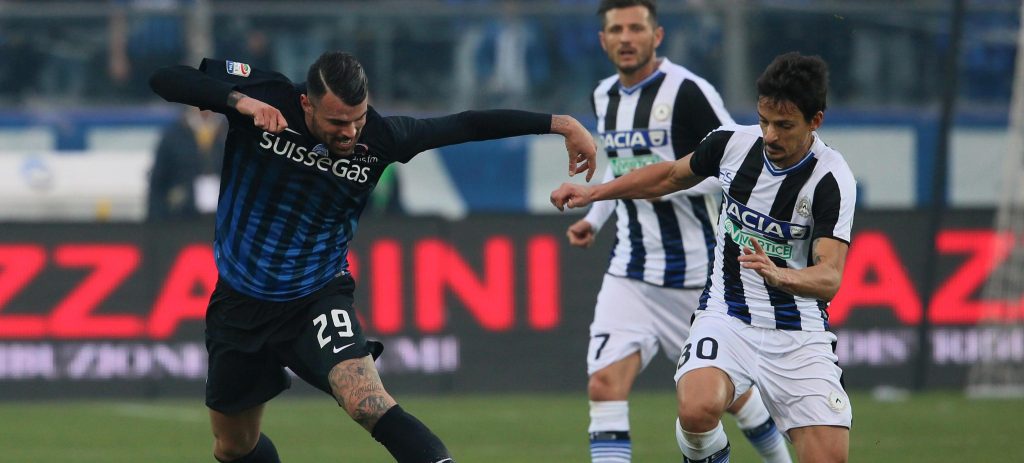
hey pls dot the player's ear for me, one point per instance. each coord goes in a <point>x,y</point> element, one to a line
<point>659,34</point>
<point>816,121</point>
<point>307,106</point>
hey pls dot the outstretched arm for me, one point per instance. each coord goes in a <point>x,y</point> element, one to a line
<point>413,136</point>
<point>652,181</point>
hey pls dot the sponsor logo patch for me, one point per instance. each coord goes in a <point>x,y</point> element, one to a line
<point>634,139</point>
<point>763,224</point>
<point>238,69</point>
<point>623,166</point>
<point>743,239</point>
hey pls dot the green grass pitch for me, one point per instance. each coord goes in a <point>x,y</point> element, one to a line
<point>932,427</point>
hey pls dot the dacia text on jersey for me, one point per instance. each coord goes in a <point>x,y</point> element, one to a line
<point>342,168</point>
<point>763,223</point>
<point>634,139</point>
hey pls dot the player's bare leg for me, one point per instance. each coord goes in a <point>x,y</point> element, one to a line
<point>702,396</point>
<point>614,381</point>
<point>237,437</point>
<point>608,389</point>
<point>357,387</point>
<point>825,444</point>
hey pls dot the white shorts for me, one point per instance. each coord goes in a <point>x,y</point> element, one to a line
<point>633,316</point>
<point>795,371</point>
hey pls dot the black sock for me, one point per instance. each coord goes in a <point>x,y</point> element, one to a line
<point>408,439</point>
<point>265,452</point>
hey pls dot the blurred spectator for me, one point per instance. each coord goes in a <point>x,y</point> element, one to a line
<point>239,39</point>
<point>185,178</point>
<point>499,59</point>
<point>144,35</point>
<point>16,53</point>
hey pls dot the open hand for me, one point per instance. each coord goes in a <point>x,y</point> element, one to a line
<point>758,261</point>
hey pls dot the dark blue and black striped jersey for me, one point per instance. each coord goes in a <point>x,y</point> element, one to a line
<point>287,208</point>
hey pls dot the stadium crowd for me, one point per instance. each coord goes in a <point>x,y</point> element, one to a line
<point>526,53</point>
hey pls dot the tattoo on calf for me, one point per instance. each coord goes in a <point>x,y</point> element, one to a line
<point>358,390</point>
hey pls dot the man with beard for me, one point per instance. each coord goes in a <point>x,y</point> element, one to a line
<point>300,163</point>
<point>783,234</point>
<point>651,110</point>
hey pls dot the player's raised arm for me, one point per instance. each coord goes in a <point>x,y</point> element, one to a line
<point>651,181</point>
<point>188,85</point>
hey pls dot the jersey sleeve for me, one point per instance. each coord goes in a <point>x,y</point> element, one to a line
<point>695,116</point>
<point>409,136</point>
<point>208,86</point>
<point>707,157</point>
<point>260,84</point>
<point>832,207</point>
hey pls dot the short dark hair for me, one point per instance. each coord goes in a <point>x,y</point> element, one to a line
<point>341,73</point>
<point>651,5</point>
<point>800,79</point>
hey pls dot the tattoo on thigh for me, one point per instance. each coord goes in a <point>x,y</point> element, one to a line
<point>358,389</point>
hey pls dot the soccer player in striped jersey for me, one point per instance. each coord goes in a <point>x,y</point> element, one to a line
<point>781,244</point>
<point>300,163</point>
<point>651,110</point>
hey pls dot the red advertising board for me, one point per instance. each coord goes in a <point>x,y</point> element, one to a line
<point>488,303</point>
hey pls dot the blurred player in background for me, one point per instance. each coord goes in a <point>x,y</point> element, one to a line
<point>782,239</point>
<point>300,163</point>
<point>652,110</point>
<point>185,177</point>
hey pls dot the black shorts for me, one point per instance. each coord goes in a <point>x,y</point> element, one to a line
<point>250,341</point>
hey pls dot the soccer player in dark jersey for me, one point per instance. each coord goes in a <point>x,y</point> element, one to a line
<point>651,110</point>
<point>300,163</point>
<point>782,239</point>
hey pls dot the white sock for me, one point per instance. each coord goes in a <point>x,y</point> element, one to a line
<point>753,413</point>
<point>609,432</point>
<point>611,415</point>
<point>760,430</point>
<point>700,445</point>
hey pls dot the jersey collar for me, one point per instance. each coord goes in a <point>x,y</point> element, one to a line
<point>647,80</point>
<point>795,167</point>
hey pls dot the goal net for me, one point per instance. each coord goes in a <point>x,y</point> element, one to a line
<point>1002,375</point>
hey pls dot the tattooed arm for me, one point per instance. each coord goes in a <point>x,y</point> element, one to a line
<point>358,389</point>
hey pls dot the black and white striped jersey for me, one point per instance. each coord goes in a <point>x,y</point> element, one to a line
<point>784,210</point>
<point>662,118</point>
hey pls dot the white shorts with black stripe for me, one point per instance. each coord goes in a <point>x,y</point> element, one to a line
<point>634,316</point>
<point>795,371</point>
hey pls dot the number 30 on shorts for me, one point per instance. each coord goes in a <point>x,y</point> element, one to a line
<point>341,321</point>
<point>707,349</point>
